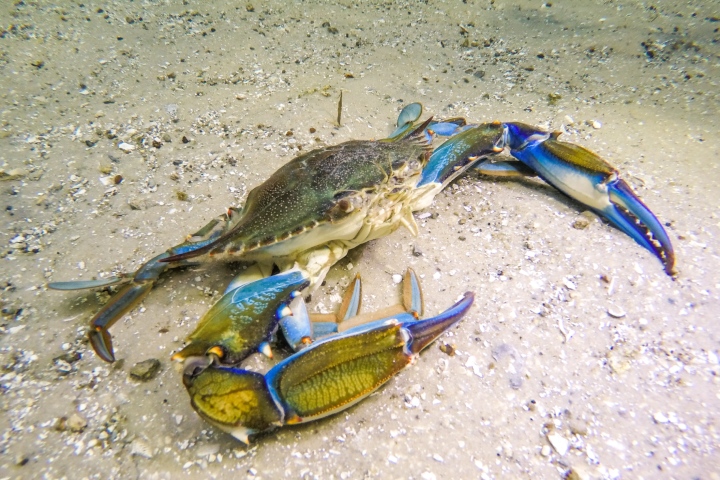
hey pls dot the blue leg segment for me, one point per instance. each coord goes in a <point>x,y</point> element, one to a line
<point>424,332</point>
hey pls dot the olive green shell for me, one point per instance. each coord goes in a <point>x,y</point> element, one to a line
<point>314,189</point>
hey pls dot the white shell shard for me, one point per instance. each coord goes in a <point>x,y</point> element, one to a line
<point>559,443</point>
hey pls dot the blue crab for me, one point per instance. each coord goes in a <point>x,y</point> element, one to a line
<point>318,206</point>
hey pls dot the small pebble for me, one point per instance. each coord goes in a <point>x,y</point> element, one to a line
<point>76,423</point>
<point>615,311</point>
<point>397,278</point>
<point>596,125</point>
<point>126,147</point>
<point>712,357</point>
<point>145,370</point>
<point>660,417</point>
<point>581,222</point>
<point>447,349</point>
<point>579,472</point>
<point>578,427</point>
<point>545,451</point>
<point>207,449</point>
<point>558,442</point>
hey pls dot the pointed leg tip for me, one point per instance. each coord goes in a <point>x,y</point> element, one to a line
<point>102,344</point>
<point>265,349</point>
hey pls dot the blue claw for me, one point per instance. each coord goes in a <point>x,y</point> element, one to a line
<point>633,217</point>
<point>243,319</point>
<point>325,378</point>
<point>587,178</point>
<point>424,332</point>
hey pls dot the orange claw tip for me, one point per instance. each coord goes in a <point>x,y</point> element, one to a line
<point>293,419</point>
<point>265,349</point>
<point>217,351</point>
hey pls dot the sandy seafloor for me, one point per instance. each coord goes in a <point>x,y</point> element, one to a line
<point>538,358</point>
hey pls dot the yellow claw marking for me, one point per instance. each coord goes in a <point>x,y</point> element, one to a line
<point>217,351</point>
<point>229,399</point>
<point>334,388</point>
<point>227,408</point>
<point>339,373</point>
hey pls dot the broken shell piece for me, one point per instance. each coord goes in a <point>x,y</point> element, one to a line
<point>660,417</point>
<point>559,443</point>
<point>140,448</point>
<point>126,147</point>
<point>615,311</point>
<point>108,181</point>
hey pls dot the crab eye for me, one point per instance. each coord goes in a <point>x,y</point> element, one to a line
<point>345,205</point>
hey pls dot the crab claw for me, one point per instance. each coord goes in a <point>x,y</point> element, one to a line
<point>325,378</point>
<point>244,319</point>
<point>587,178</point>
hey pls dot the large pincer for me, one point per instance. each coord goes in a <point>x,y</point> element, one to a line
<point>590,180</point>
